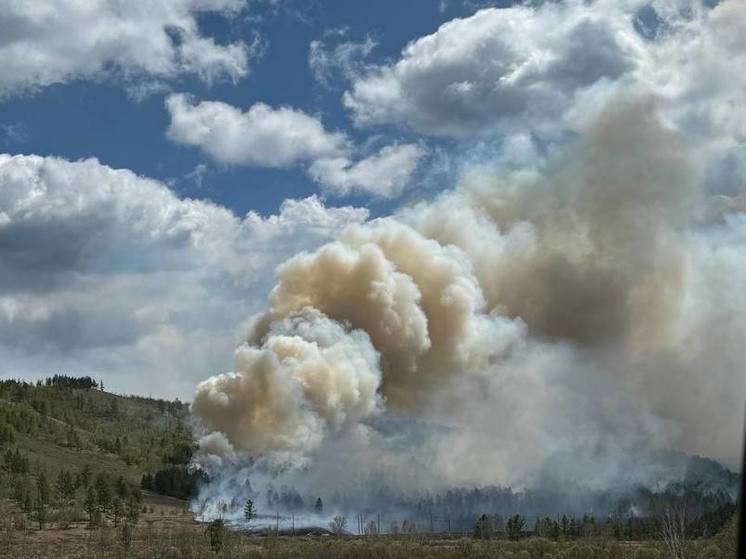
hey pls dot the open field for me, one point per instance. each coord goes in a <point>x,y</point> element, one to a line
<point>167,530</point>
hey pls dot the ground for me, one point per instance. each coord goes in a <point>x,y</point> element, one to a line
<point>167,530</point>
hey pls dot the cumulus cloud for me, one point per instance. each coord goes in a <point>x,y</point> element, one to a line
<point>280,137</point>
<point>262,136</point>
<point>544,68</point>
<point>106,272</point>
<point>498,69</point>
<point>55,42</point>
<point>701,95</point>
<point>384,173</point>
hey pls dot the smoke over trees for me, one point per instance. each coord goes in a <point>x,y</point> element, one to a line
<point>568,315</point>
<point>562,305</point>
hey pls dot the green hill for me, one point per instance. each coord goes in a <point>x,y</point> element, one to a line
<point>65,442</point>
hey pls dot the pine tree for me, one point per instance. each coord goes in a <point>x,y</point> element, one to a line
<point>103,492</point>
<point>133,509</point>
<point>64,485</point>
<point>318,508</point>
<point>84,476</point>
<point>91,506</point>
<point>117,510</point>
<point>123,489</point>
<point>42,498</point>
<point>515,526</point>
<point>249,511</point>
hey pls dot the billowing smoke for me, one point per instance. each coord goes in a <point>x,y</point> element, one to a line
<point>591,249</point>
<point>309,375</point>
<point>571,321</point>
<point>418,300</point>
<point>570,314</point>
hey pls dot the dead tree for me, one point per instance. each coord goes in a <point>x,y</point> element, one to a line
<point>338,525</point>
<point>672,528</point>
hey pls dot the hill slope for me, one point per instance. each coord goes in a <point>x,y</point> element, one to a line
<point>65,443</point>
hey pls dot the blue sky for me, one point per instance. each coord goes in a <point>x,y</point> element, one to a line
<point>99,118</point>
<point>566,175</point>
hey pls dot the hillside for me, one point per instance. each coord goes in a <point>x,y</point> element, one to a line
<point>95,474</point>
<point>64,443</point>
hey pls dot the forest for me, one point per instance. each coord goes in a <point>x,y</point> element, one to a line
<point>77,460</point>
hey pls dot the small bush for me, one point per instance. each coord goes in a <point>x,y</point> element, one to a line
<point>216,534</point>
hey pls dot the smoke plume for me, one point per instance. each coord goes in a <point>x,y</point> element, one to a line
<point>309,375</point>
<point>565,322</point>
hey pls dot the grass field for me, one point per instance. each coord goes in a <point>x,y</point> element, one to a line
<point>52,456</point>
<point>168,531</point>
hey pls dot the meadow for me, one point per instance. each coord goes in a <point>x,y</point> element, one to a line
<point>170,533</point>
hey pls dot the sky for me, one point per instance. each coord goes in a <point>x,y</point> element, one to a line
<point>123,122</point>
<point>159,160</point>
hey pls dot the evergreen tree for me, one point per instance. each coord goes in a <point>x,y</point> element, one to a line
<point>84,476</point>
<point>123,488</point>
<point>249,511</point>
<point>28,502</point>
<point>91,506</point>
<point>147,481</point>
<point>42,487</point>
<point>483,527</point>
<point>6,434</point>
<point>103,493</point>
<point>64,485</point>
<point>515,526</point>
<point>42,498</point>
<point>133,509</point>
<point>117,510</point>
<point>318,508</point>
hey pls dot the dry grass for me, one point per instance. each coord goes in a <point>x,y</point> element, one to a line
<point>168,531</point>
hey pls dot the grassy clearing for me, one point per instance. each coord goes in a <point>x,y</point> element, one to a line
<point>52,457</point>
<point>167,531</point>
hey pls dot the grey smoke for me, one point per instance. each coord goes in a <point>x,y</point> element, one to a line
<point>566,323</point>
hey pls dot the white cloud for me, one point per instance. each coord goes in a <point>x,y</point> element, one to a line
<point>296,214</point>
<point>498,68</point>
<point>548,69</point>
<point>346,59</point>
<point>280,137</point>
<point>700,92</point>
<point>384,173</point>
<point>47,42</point>
<point>109,273</point>
<point>262,136</point>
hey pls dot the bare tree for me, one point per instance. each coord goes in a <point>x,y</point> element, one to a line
<point>672,529</point>
<point>371,529</point>
<point>338,525</point>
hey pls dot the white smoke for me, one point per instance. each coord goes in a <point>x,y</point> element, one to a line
<point>564,320</point>
<point>311,375</point>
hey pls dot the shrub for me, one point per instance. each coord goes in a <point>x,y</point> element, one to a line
<point>126,532</point>
<point>216,534</point>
